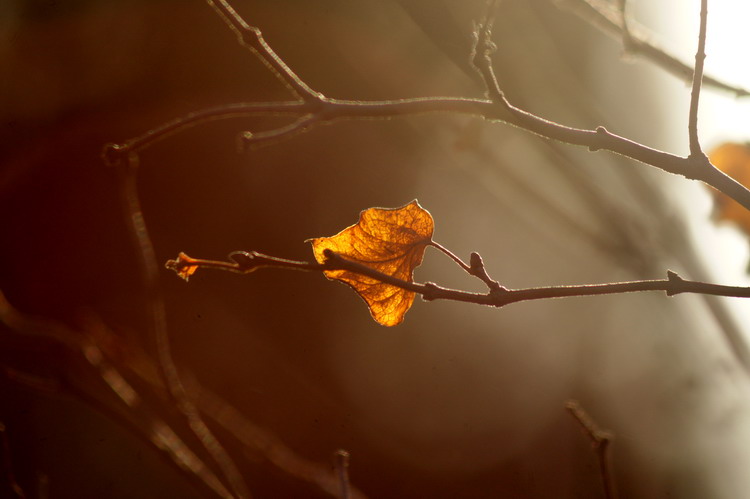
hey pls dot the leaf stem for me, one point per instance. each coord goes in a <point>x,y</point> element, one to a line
<point>452,256</point>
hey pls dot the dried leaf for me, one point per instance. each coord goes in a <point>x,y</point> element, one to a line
<point>391,241</point>
<point>184,266</point>
<point>734,160</point>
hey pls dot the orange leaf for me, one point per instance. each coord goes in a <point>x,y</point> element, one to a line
<point>734,160</point>
<point>391,241</point>
<point>184,266</point>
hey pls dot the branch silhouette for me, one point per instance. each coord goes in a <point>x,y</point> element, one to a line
<point>243,262</point>
<point>635,41</point>
<point>313,108</point>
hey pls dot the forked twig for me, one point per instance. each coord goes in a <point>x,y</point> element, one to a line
<point>251,38</point>
<point>144,418</point>
<point>601,441</point>
<point>314,108</point>
<point>599,14</point>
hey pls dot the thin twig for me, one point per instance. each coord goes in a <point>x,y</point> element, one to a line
<point>256,439</point>
<point>452,256</point>
<point>144,418</point>
<point>474,268</point>
<point>599,14</point>
<point>695,92</point>
<point>157,310</point>
<point>627,36</point>
<point>601,441</point>
<point>251,38</point>
<point>145,421</point>
<point>318,109</point>
<point>247,262</point>
<point>8,464</point>
<point>341,463</point>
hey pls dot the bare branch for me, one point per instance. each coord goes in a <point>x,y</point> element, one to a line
<point>143,418</point>
<point>8,463</point>
<point>599,14</point>
<point>318,109</point>
<point>700,58</point>
<point>157,309</point>
<point>500,296</point>
<point>600,442</point>
<point>251,38</point>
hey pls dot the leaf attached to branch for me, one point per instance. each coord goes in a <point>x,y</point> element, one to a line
<point>391,241</point>
<point>184,266</point>
<point>734,160</point>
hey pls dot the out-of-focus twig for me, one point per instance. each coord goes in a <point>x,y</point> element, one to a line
<point>255,440</point>
<point>157,310</point>
<point>341,460</point>
<point>602,15</point>
<point>82,354</point>
<point>314,109</point>
<point>99,352</point>
<point>8,464</point>
<point>601,441</point>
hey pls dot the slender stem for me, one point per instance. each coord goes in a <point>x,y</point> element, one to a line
<point>335,109</point>
<point>700,57</point>
<point>251,38</point>
<point>475,268</point>
<point>627,37</point>
<point>247,262</point>
<point>341,458</point>
<point>599,14</point>
<point>452,256</point>
<point>157,309</point>
<point>8,464</point>
<point>601,441</point>
<point>316,109</point>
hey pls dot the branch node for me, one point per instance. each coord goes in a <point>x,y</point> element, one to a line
<point>332,258</point>
<point>430,291</point>
<point>250,36</point>
<point>601,133</point>
<point>114,154</point>
<point>477,269</point>
<point>676,283</point>
<point>246,261</point>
